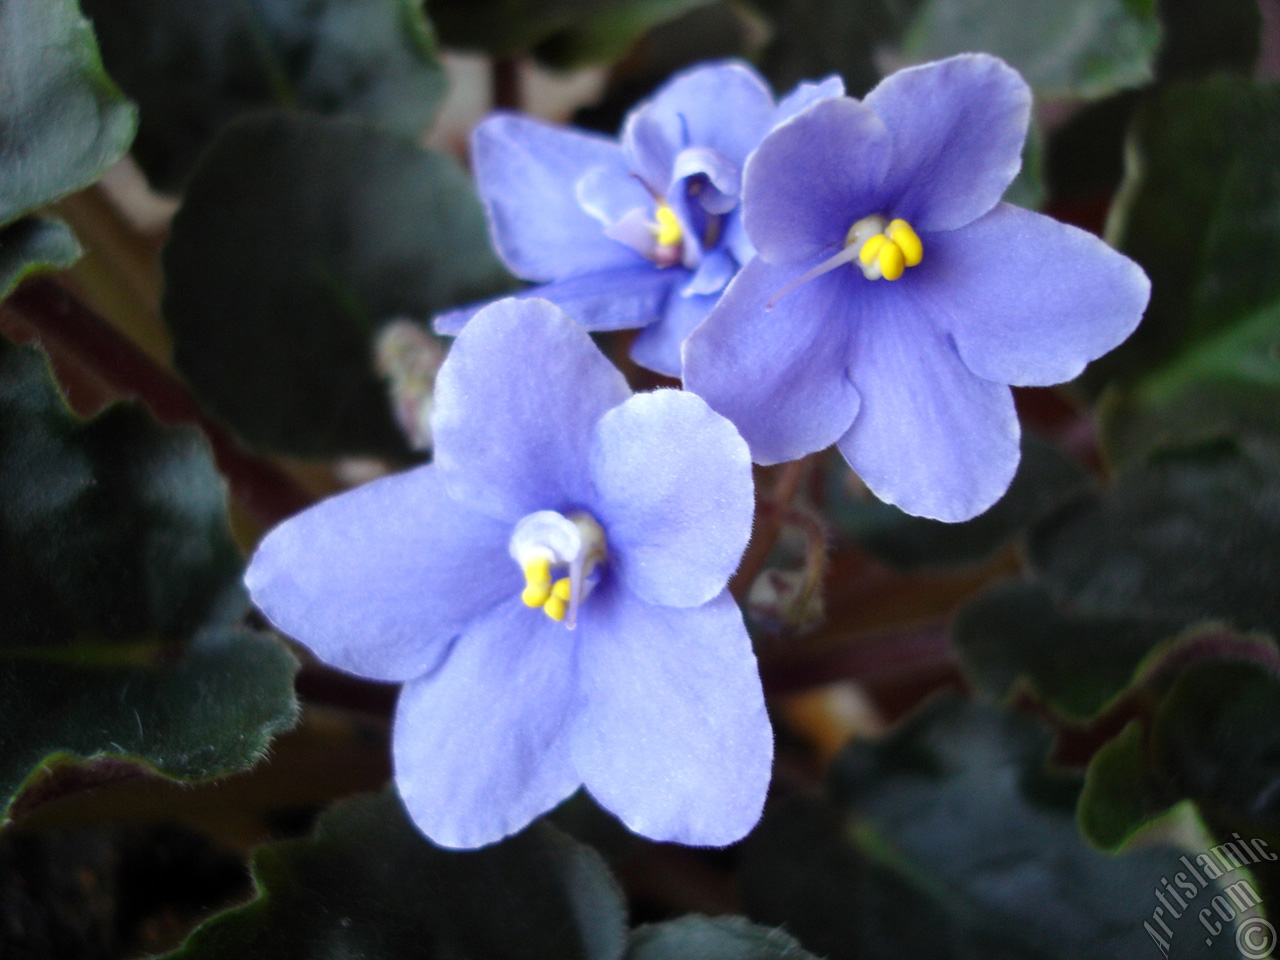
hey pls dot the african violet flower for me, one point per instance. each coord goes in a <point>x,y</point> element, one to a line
<point>642,233</point>
<point>895,298</point>
<point>552,592</point>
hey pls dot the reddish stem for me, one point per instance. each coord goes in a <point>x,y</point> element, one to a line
<point>768,524</point>
<point>66,326</point>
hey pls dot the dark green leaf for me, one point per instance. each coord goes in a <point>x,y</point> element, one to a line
<point>1077,663</point>
<point>1087,48</point>
<point>609,34</point>
<point>721,938</point>
<point>1190,537</point>
<point>193,66</point>
<point>112,529</point>
<point>206,712</point>
<point>62,121</point>
<point>299,237</point>
<point>1210,737</point>
<point>984,844</point>
<point>1200,211</point>
<point>578,30</point>
<point>1120,795</point>
<point>1046,479</point>
<point>1203,37</point>
<point>114,547</point>
<point>812,39</point>
<point>33,244</point>
<point>369,885</point>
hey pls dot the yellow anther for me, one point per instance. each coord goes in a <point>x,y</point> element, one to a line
<point>908,242</point>
<point>891,260</point>
<point>562,589</point>
<point>871,249</point>
<point>669,232</point>
<point>537,578</point>
<point>555,608</point>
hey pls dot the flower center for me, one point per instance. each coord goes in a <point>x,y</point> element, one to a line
<point>880,247</point>
<point>668,236</point>
<point>561,558</point>
<point>884,249</point>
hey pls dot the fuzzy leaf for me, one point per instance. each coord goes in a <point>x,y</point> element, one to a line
<point>1200,211</point>
<point>62,121</point>
<point>982,848</point>
<point>719,938</point>
<point>195,65</point>
<point>33,244</point>
<point>369,885</point>
<point>299,237</point>
<point>115,551</point>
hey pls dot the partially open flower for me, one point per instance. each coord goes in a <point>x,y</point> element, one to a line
<point>641,233</point>
<point>551,589</point>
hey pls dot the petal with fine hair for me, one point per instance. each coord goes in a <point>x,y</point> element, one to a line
<point>483,745</point>
<point>517,402</point>
<point>674,491</point>
<point>779,373</point>
<point>379,580</point>
<point>674,739</point>
<point>527,173</point>
<point>930,437</point>
<point>957,128</point>
<point>658,346</point>
<point>1028,300</point>
<point>812,178</point>
<point>807,94</point>
<point>725,107</point>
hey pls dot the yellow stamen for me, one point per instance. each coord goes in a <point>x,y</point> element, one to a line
<point>871,249</point>
<point>891,260</point>
<point>537,578</point>
<point>555,608</point>
<point>669,232</point>
<point>563,588</point>
<point>907,240</point>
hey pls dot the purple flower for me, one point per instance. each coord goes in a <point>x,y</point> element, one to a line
<point>895,297</point>
<point>552,592</point>
<point>644,233</point>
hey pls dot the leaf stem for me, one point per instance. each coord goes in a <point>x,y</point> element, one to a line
<point>65,326</point>
<point>770,515</point>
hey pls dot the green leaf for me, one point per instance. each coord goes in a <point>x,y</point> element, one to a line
<point>1046,479</point>
<point>115,548</point>
<point>563,33</point>
<point>1200,211</point>
<point>1202,38</point>
<point>112,530</point>
<point>369,885</point>
<point>721,938</point>
<point>210,711</point>
<point>1209,737</point>
<point>33,244</point>
<point>298,238</point>
<point>1016,634</point>
<point>62,121</point>
<point>195,65</point>
<point>812,39</point>
<point>1088,48</point>
<point>575,31</point>
<point>1190,537</point>
<point>1120,796</point>
<point>982,845</point>
<point>608,35</point>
